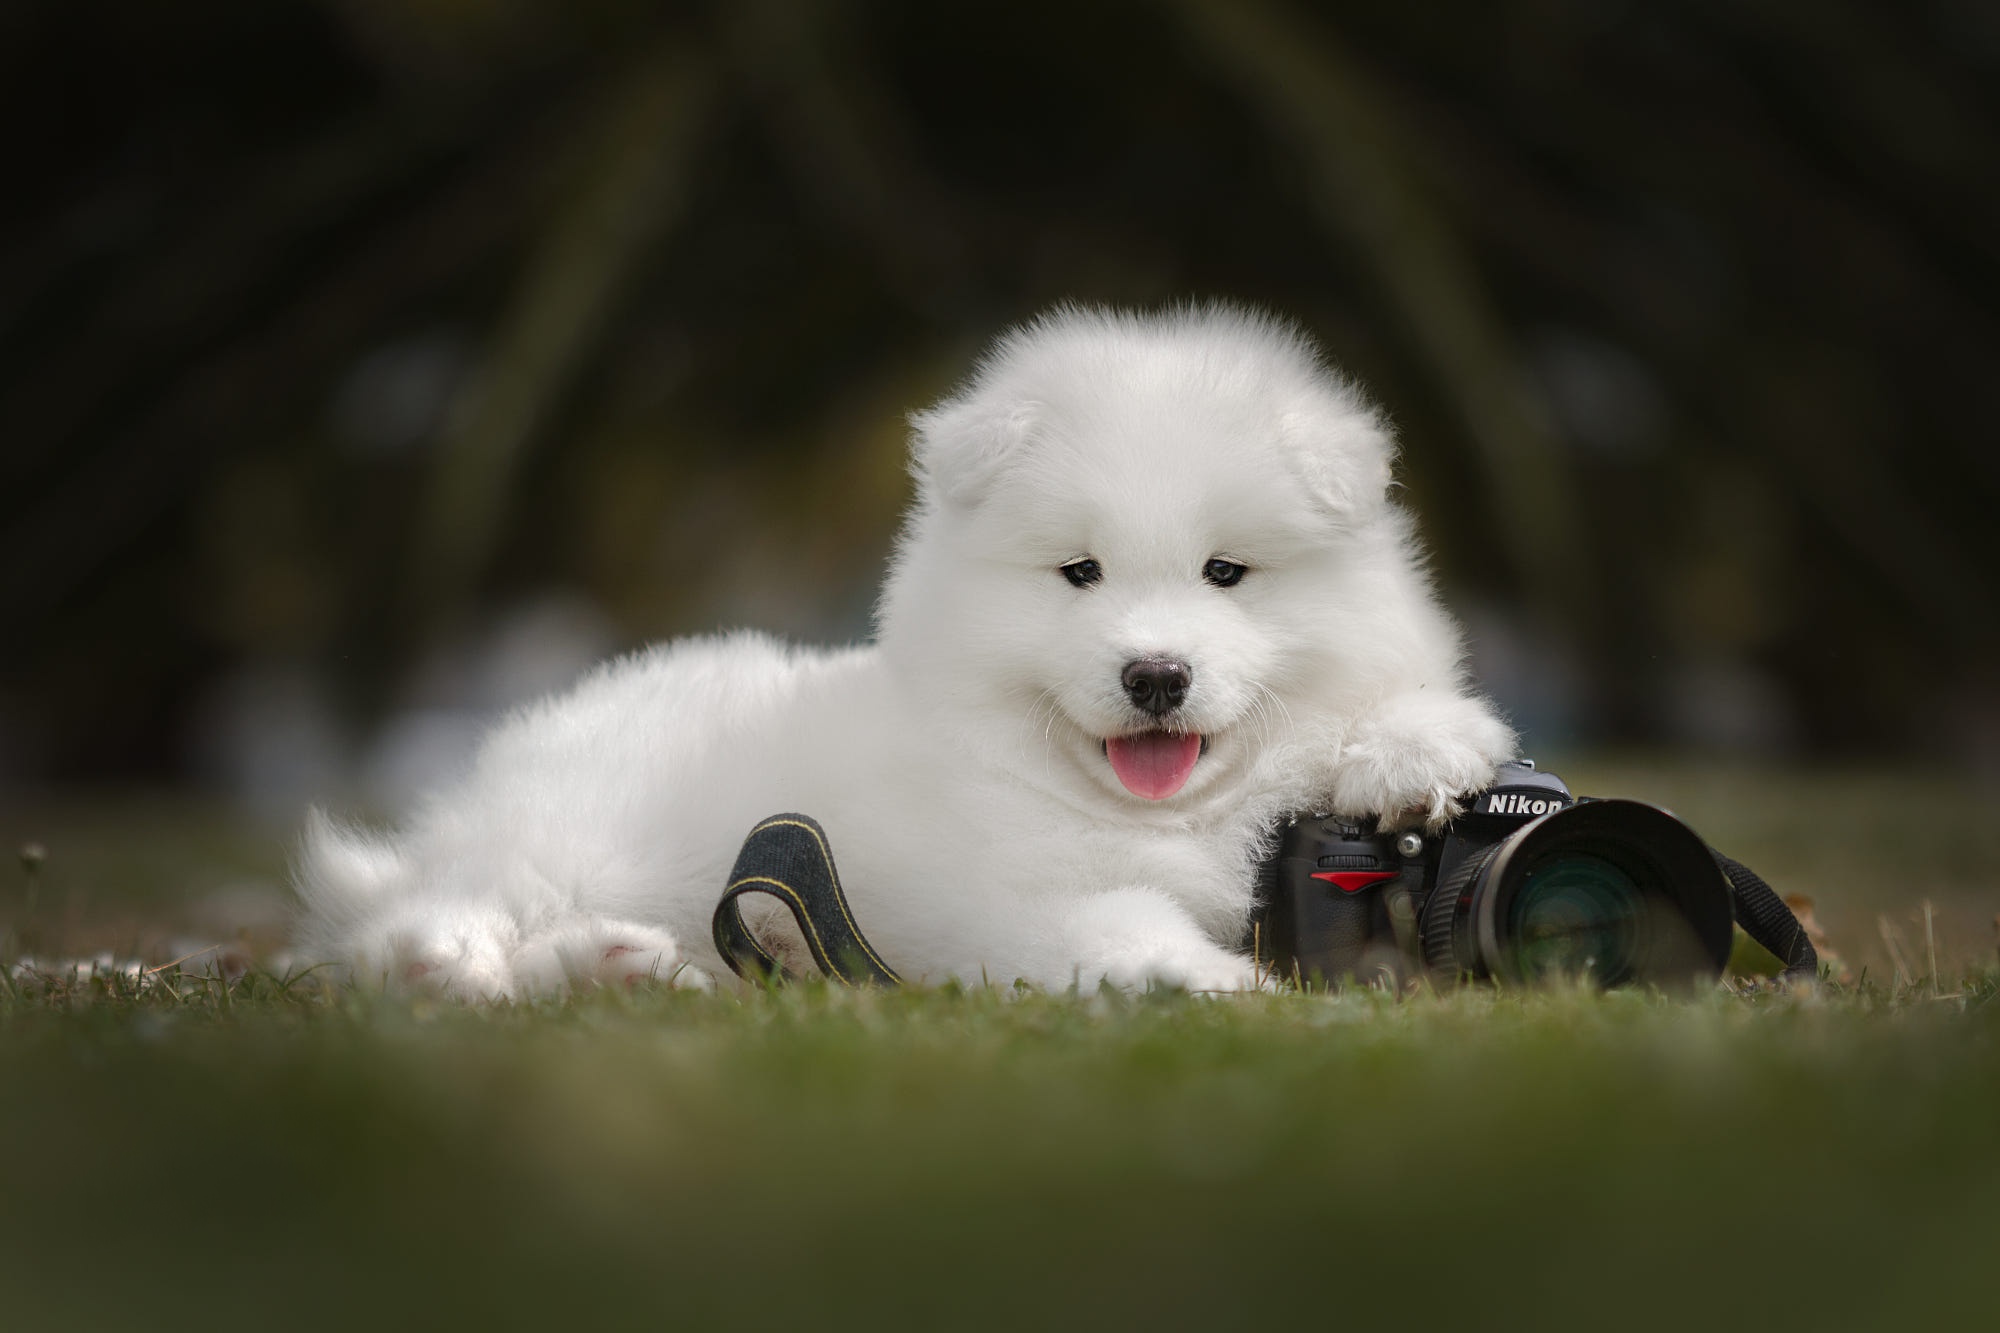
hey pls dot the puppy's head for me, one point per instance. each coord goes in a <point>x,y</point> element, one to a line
<point>1132,535</point>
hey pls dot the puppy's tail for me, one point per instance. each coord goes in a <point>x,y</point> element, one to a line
<point>340,872</point>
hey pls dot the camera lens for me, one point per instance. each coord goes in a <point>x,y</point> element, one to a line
<point>1576,914</point>
<point>1613,891</point>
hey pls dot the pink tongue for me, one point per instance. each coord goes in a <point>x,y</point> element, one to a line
<point>1153,764</point>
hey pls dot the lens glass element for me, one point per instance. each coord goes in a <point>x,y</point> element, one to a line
<point>1576,914</point>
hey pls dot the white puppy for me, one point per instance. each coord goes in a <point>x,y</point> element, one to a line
<point>1152,595</point>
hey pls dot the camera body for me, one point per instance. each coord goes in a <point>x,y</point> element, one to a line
<point>1531,882</point>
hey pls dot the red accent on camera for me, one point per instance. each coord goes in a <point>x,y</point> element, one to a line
<point>1353,881</point>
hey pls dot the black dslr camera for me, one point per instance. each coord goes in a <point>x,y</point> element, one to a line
<point>1530,883</point>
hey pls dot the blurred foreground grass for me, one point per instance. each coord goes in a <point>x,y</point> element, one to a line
<point>947,1160</point>
<point>203,1154</point>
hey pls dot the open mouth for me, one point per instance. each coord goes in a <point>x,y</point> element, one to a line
<point>1155,764</point>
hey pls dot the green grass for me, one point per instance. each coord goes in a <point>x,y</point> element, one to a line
<point>970,1160</point>
<point>197,1155</point>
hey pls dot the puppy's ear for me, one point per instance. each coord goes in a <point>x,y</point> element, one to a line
<point>1344,452</point>
<point>958,447</point>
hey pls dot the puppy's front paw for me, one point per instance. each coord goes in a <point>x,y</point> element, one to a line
<point>1135,938</point>
<point>1203,970</point>
<point>1416,761</point>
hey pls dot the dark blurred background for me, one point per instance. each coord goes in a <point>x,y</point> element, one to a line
<point>368,365</point>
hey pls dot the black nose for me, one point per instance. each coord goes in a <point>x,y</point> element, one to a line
<point>1156,684</point>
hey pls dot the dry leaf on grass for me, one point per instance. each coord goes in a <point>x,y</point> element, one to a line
<point>1831,963</point>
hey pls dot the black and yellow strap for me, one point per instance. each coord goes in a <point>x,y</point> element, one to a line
<point>1766,919</point>
<point>787,857</point>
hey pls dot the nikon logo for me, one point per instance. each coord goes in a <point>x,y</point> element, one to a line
<point>1514,803</point>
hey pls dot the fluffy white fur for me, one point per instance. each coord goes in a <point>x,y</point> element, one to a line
<point>958,762</point>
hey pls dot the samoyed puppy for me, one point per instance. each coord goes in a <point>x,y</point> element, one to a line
<point>1153,594</point>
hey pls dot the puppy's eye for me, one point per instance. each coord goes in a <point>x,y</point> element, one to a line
<point>1083,573</point>
<point>1224,573</point>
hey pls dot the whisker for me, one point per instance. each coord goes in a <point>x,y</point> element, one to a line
<point>1272,713</point>
<point>1049,708</point>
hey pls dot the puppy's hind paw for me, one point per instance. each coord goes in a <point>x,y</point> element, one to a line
<point>463,965</point>
<point>585,955</point>
<point>628,965</point>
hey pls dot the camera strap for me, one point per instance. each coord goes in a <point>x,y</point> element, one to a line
<point>787,857</point>
<point>1765,919</point>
